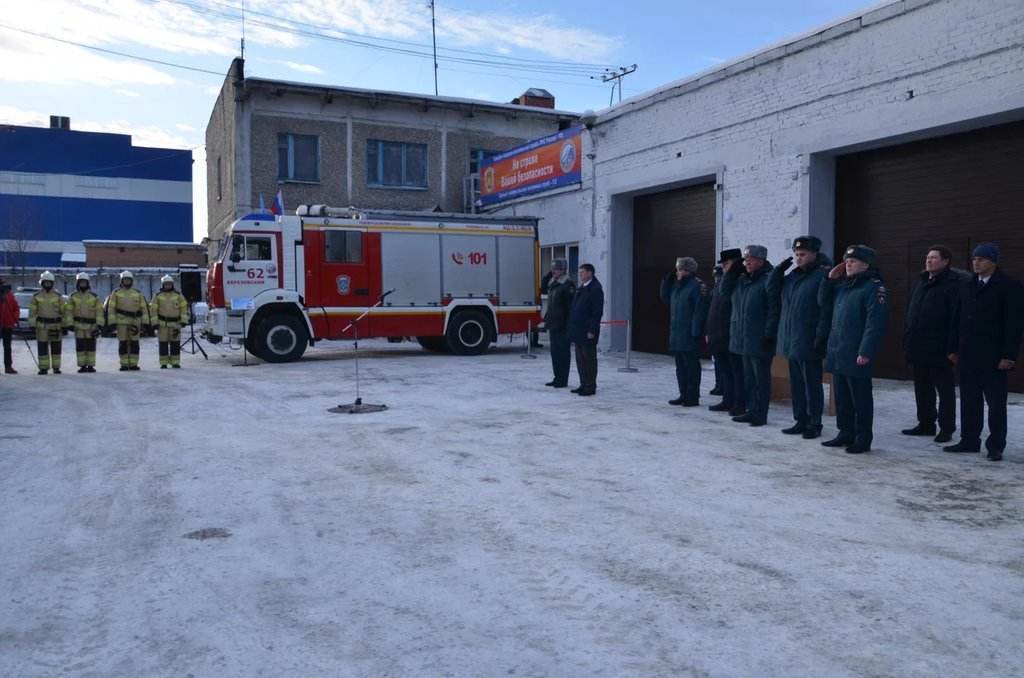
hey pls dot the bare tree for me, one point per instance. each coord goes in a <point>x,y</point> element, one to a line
<point>18,238</point>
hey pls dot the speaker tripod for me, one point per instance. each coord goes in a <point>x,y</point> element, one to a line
<point>191,345</point>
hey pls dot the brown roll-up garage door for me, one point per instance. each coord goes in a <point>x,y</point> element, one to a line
<point>677,223</point>
<point>956,190</point>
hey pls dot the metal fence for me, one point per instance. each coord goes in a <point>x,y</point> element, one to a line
<point>104,280</point>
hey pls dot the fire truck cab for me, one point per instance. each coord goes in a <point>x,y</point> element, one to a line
<point>452,281</point>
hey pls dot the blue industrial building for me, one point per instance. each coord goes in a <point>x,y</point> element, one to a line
<point>59,187</point>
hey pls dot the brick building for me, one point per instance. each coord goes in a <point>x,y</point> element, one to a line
<point>320,144</point>
<point>899,127</point>
<point>141,253</point>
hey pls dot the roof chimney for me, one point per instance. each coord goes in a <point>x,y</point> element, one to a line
<point>60,122</point>
<point>535,96</point>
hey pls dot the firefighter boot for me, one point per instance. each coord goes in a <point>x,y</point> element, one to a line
<point>164,349</point>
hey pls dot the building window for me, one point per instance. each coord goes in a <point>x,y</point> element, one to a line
<point>394,164</point>
<point>569,251</point>
<point>220,181</point>
<point>298,158</point>
<point>477,157</point>
<point>343,247</point>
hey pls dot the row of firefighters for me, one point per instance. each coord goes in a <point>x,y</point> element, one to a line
<point>125,312</point>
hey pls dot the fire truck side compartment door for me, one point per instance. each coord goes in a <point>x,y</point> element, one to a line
<point>470,265</point>
<point>411,265</point>
<point>516,262</point>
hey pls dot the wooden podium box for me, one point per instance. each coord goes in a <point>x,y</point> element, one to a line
<point>780,384</point>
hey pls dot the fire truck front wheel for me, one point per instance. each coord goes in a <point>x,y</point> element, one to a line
<point>281,338</point>
<point>469,333</point>
<point>435,344</point>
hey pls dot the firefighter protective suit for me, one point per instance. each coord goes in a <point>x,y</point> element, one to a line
<point>128,312</point>
<point>46,317</point>
<point>83,313</point>
<point>169,312</point>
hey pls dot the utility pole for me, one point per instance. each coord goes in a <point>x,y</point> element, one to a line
<point>243,30</point>
<point>615,77</point>
<point>433,32</point>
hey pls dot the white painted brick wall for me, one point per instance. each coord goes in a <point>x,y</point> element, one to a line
<point>757,127</point>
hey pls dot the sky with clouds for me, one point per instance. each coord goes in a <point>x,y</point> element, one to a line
<point>556,45</point>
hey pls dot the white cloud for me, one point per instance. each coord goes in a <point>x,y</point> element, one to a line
<point>127,93</point>
<point>185,127</point>
<point>213,89</point>
<point>30,60</point>
<point>302,68</point>
<point>9,115</point>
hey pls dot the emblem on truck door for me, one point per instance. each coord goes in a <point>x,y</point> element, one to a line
<point>344,284</point>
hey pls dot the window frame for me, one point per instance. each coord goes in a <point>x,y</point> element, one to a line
<point>329,233</point>
<point>378,172</point>
<point>287,140</point>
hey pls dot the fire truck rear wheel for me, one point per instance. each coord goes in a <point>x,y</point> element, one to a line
<point>469,333</point>
<point>281,339</point>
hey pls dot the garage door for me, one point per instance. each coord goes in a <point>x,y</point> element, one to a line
<point>677,223</point>
<point>957,190</point>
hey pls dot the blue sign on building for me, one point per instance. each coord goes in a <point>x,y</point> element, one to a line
<point>59,187</point>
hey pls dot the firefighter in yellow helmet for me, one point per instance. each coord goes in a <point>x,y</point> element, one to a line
<point>46,316</point>
<point>128,312</point>
<point>83,313</point>
<point>169,311</point>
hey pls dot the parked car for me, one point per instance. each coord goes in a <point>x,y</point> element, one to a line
<point>24,295</point>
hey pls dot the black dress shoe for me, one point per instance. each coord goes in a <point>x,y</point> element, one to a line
<point>962,447</point>
<point>587,391</point>
<point>838,441</point>
<point>691,403</point>
<point>720,407</point>
<point>858,448</point>
<point>743,419</point>
<point>944,437</point>
<point>735,412</point>
<point>550,383</point>
<point>715,391</point>
<point>812,432</point>
<point>795,430</point>
<point>919,430</point>
<point>757,422</point>
<point>676,401</point>
<point>576,390</point>
<point>994,456</point>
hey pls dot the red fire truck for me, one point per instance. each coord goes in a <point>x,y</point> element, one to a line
<point>452,281</point>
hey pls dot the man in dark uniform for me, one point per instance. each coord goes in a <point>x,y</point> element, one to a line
<point>734,397</point>
<point>796,313</point>
<point>560,290</point>
<point>716,275</point>
<point>928,338</point>
<point>991,320</point>
<point>683,292</point>
<point>750,336</point>
<point>585,328</point>
<point>853,298</point>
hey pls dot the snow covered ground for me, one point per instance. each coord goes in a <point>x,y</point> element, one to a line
<point>484,525</point>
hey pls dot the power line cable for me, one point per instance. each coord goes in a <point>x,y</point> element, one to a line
<point>530,66</point>
<point>250,11</point>
<point>111,51</point>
